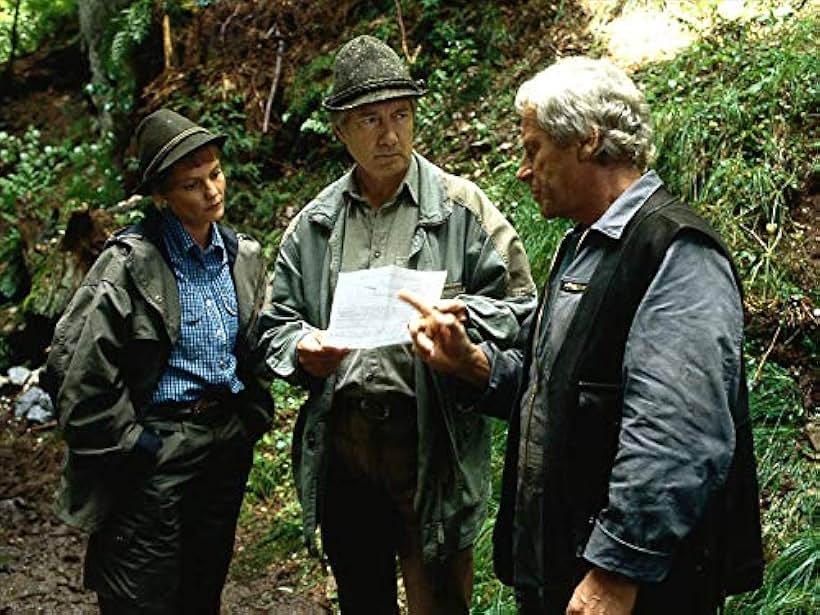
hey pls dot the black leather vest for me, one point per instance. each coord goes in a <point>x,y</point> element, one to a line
<point>723,555</point>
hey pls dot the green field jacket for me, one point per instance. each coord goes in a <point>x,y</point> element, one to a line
<point>112,345</point>
<point>459,231</point>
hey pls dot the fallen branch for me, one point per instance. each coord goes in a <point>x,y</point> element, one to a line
<point>280,49</point>
<point>126,205</point>
<point>224,25</point>
<point>167,45</point>
<point>765,356</point>
<point>411,58</point>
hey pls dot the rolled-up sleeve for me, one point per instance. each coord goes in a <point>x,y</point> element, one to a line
<point>681,375</point>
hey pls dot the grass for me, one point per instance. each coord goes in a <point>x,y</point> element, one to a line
<point>733,117</point>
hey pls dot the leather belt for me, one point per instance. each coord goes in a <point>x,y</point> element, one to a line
<point>204,408</point>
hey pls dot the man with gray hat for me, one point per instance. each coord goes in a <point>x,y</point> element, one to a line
<point>158,393</point>
<point>384,460</point>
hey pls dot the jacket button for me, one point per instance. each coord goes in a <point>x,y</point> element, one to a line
<point>311,440</point>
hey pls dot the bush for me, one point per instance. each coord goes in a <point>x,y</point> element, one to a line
<point>37,22</point>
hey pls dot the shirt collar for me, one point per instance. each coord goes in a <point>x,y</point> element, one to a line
<point>179,240</point>
<point>614,220</point>
<point>410,182</point>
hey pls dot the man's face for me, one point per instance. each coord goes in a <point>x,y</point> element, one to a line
<point>554,173</point>
<point>379,137</point>
<point>196,190</point>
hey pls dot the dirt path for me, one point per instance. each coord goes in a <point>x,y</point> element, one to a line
<point>41,559</point>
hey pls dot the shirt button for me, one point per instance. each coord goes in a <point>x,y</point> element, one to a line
<point>209,303</point>
<point>377,254</point>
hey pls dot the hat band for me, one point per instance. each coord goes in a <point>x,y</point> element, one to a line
<point>375,85</point>
<point>168,146</point>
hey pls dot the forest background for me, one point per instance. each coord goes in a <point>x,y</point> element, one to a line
<point>733,85</point>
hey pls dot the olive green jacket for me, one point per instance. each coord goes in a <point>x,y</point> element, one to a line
<point>111,347</point>
<point>459,231</point>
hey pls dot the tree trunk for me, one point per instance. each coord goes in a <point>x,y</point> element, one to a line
<point>13,45</point>
<point>95,17</point>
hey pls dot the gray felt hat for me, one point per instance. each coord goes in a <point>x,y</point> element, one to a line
<point>365,71</point>
<point>165,137</point>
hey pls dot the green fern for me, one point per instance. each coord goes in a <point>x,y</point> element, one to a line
<point>130,27</point>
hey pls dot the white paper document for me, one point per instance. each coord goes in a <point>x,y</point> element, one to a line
<point>367,312</point>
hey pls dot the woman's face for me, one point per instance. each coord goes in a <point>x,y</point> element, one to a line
<point>195,190</point>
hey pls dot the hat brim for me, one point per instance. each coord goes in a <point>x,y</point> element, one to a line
<point>177,153</point>
<point>373,96</point>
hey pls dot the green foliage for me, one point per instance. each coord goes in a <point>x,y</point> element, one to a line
<point>122,36</point>
<point>311,84</point>
<point>785,475</point>
<point>271,476</point>
<point>40,177</point>
<point>271,483</point>
<point>129,28</point>
<point>792,581</point>
<point>490,596</point>
<point>459,60</point>
<point>37,21</point>
<point>41,184</point>
<point>13,276</point>
<point>775,399</point>
<point>731,117</point>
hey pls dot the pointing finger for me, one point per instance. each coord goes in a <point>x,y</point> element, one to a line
<point>415,300</point>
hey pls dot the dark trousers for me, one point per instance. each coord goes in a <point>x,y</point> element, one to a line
<point>368,518</point>
<point>166,546</point>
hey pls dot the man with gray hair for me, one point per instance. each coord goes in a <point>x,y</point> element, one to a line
<point>384,460</point>
<point>629,482</point>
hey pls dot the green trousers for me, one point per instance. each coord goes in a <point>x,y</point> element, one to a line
<point>166,546</point>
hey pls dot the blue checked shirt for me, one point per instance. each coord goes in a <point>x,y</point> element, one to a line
<point>203,358</point>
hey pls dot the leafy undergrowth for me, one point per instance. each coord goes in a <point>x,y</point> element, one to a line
<point>270,517</point>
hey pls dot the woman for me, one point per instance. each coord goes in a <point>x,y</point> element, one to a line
<point>159,397</point>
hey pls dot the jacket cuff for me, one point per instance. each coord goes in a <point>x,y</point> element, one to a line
<point>285,363</point>
<point>607,551</point>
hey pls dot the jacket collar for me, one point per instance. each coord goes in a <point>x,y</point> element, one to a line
<point>615,219</point>
<point>150,228</point>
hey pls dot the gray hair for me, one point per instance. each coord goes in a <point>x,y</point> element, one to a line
<point>578,95</point>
